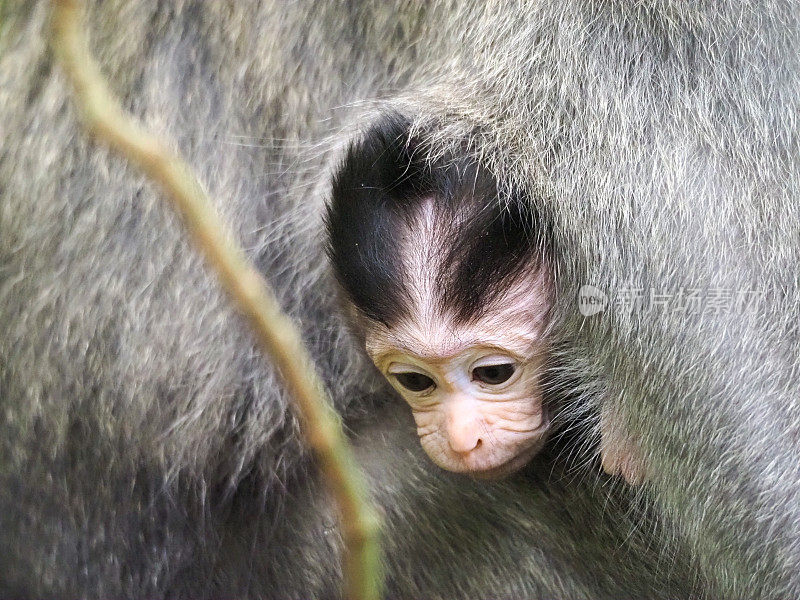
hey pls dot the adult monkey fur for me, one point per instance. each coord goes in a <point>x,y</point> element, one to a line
<point>147,451</point>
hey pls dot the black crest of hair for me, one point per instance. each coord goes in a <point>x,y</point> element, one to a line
<point>485,242</point>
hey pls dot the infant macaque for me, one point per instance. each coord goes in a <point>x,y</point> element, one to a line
<point>450,289</point>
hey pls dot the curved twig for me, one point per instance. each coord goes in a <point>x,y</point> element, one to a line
<point>106,120</point>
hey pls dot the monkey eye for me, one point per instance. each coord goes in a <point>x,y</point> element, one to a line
<point>414,382</point>
<point>493,374</point>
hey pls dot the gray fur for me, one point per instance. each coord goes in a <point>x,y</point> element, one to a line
<point>146,450</point>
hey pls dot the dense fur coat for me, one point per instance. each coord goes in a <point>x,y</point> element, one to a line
<point>146,450</point>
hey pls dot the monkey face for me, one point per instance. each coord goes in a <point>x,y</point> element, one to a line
<point>473,389</point>
<point>451,289</point>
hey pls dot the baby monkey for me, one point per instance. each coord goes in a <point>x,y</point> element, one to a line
<point>449,288</point>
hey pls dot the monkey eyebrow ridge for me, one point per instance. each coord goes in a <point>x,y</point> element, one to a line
<point>452,351</point>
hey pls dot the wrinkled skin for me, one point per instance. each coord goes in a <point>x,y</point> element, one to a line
<point>487,426</point>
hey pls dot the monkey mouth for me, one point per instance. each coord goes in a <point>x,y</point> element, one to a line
<point>516,462</point>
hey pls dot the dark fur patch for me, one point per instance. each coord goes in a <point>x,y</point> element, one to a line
<point>487,243</point>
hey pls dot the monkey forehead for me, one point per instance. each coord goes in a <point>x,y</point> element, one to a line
<point>440,339</point>
<point>513,323</point>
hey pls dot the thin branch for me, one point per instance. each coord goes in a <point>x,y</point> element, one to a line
<point>106,120</point>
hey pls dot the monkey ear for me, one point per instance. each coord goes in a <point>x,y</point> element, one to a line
<point>619,454</point>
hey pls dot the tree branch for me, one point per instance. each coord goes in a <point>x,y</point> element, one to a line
<point>278,337</point>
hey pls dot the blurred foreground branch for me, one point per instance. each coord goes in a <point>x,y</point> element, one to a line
<point>278,337</point>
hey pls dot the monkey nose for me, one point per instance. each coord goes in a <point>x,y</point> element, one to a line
<point>464,438</point>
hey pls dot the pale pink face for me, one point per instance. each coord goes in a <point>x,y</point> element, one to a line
<point>474,388</point>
